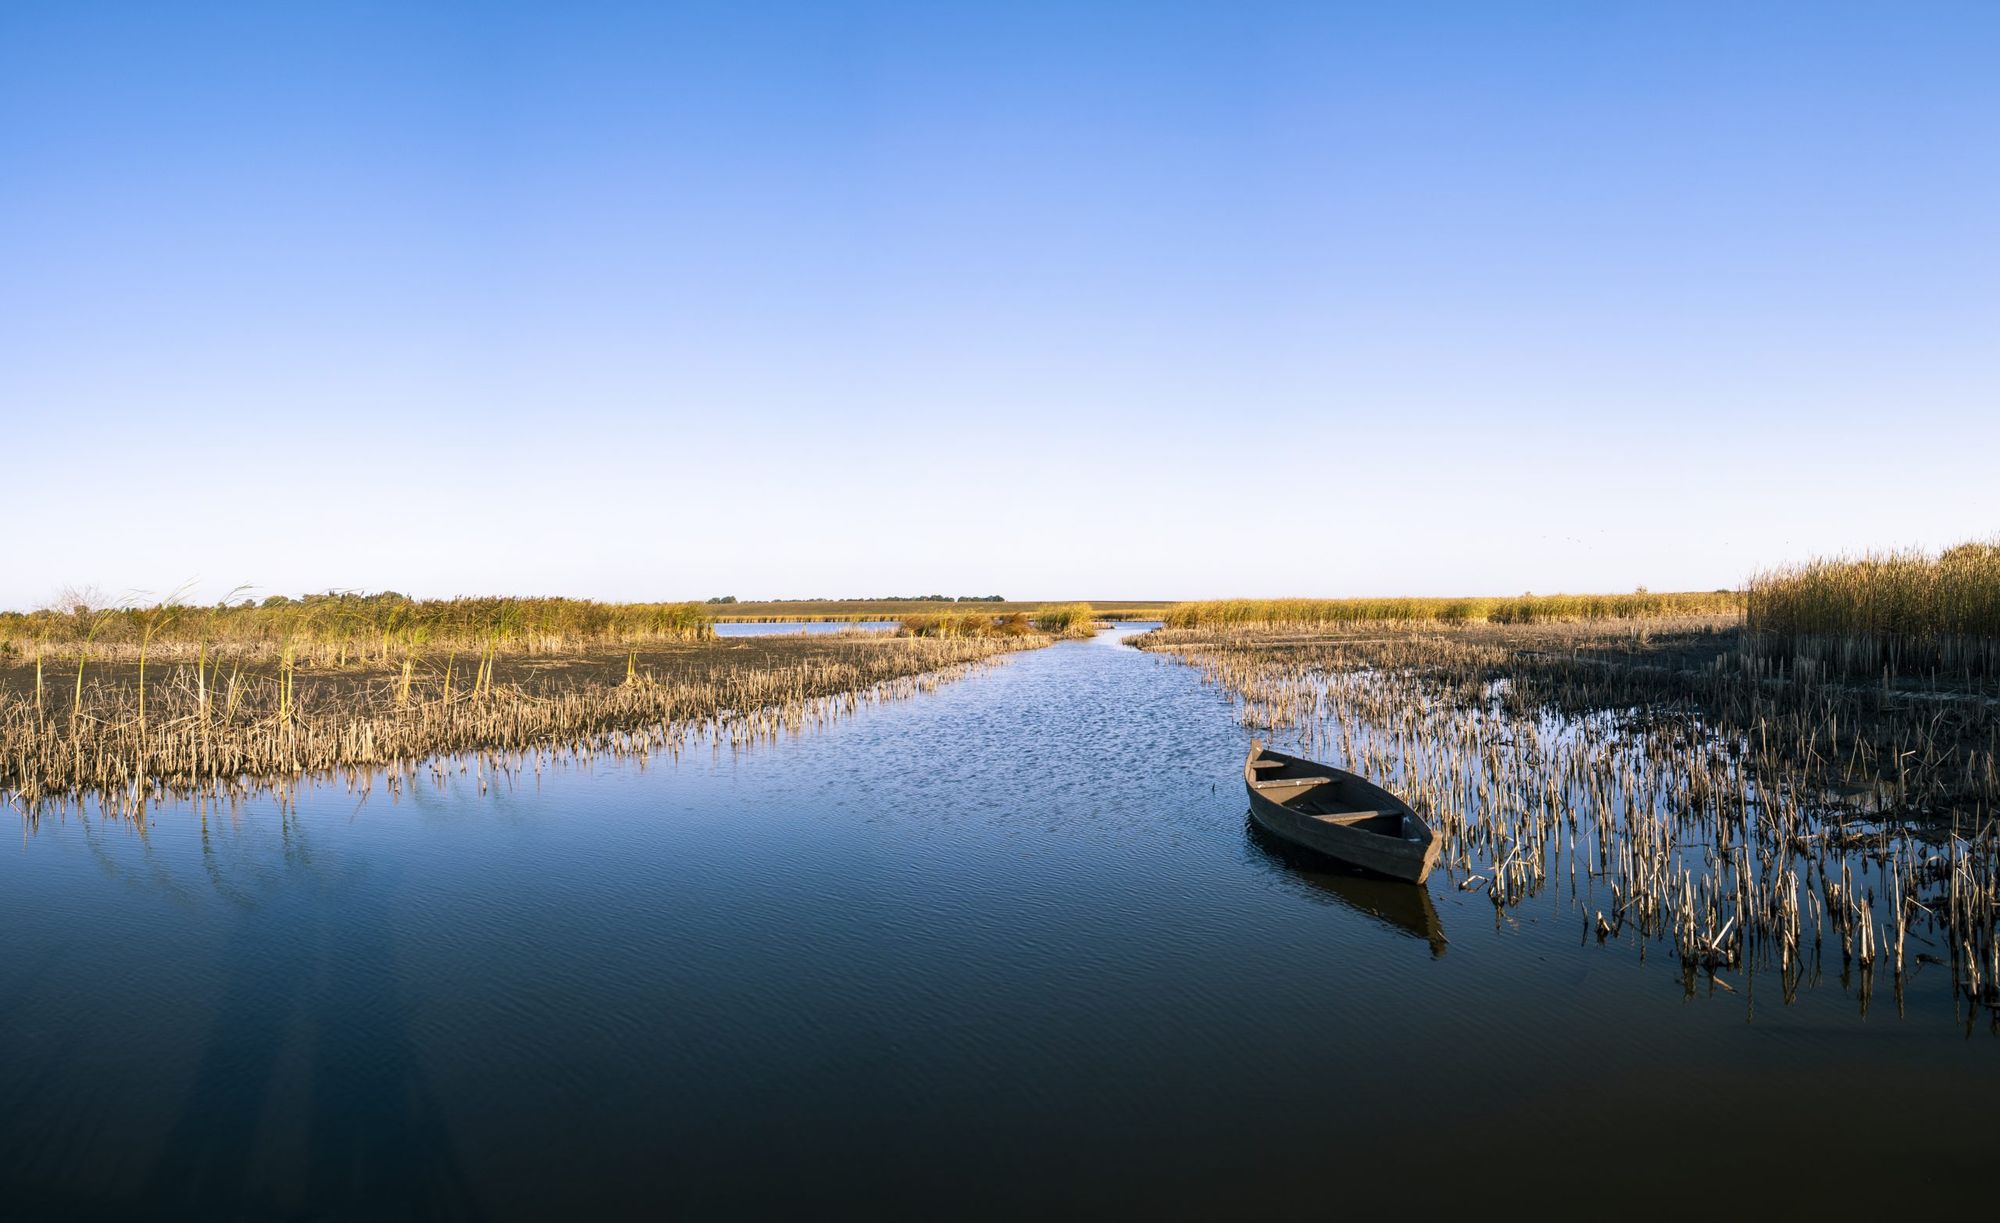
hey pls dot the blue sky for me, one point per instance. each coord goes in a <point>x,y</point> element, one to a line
<point>1145,300</point>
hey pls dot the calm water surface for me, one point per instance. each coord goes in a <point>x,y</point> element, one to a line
<point>1010,948</point>
<point>754,628</point>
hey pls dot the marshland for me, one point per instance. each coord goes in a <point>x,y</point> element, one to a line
<point>815,611</point>
<point>127,703</point>
<point>522,847</point>
<point>541,676</point>
<point>1768,788</point>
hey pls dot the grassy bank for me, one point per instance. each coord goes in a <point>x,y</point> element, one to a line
<point>1524,609</point>
<point>339,629</point>
<point>1897,612</point>
<point>1064,620</point>
<point>1067,620</point>
<point>221,727</point>
<point>1670,784</point>
<point>816,610</point>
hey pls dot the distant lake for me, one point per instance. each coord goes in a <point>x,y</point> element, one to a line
<point>1008,950</point>
<point>749,628</point>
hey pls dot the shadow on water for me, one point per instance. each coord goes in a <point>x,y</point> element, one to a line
<point>308,1062</point>
<point>1402,907</point>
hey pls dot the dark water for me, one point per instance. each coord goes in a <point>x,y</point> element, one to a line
<point>1008,949</point>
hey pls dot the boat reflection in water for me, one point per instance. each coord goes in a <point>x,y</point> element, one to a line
<point>1403,907</point>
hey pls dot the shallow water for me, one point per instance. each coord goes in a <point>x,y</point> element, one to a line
<point>757,628</point>
<point>1011,947</point>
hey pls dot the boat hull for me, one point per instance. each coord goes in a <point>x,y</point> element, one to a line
<point>1316,827</point>
<point>1362,849</point>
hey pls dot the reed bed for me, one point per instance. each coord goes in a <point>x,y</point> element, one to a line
<point>1892,614</point>
<point>205,730</point>
<point>1066,620</point>
<point>1072,620</point>
<point>960,626</point>
<point>1667,784</point>
<point>812,610</point>
<point>1525,609</point>
<point>341,630</point>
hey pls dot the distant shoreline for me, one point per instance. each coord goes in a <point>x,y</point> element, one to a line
<point>815,611</point>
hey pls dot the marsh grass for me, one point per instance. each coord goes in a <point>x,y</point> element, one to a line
<point>1524,609</point>
<point>341,630</point>
<point>899,609</point>
<point>961,625</point>
<point>1062,620</point>
<point>1893,613</point>
<point>275,724</point>
<point>1669,784</point>
<point>1071,620</point>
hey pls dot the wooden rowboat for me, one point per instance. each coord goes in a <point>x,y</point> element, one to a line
<point>1338,814</point>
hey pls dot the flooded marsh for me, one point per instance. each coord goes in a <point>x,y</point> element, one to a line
<point>223,725</point>
<point>1010,946</point>
<point>1669,786</point>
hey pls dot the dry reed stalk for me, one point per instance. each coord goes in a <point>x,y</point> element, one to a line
<point>1692,782</point>
<point>276,728</point>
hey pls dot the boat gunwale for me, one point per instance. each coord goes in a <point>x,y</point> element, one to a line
<point>1405,858</point>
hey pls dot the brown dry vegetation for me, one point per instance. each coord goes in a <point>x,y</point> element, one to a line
<point>334,629</point>
<point>1893,612</point>
<point>885,609</point>
<point>1073,620</point>
<point>1523,609</point>
<point>1069,621</point>
<point>966,624</point>
<point>226,724</point>
<point>1673,783</point>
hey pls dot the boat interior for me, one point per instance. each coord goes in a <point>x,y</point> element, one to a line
<point>1383,823</point>
<point>1321,797</point>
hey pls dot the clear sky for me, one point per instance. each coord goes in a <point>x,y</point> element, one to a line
<point>1146,300</point>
